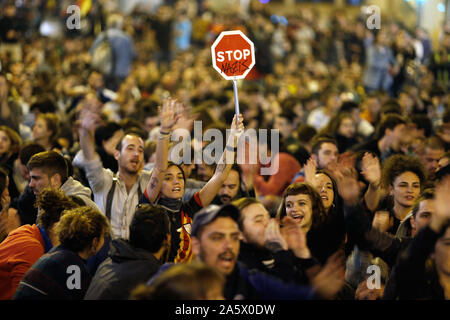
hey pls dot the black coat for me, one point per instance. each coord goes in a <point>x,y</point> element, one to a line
<point>121,272</point>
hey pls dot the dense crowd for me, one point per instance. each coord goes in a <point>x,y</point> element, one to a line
<point>96,204</point>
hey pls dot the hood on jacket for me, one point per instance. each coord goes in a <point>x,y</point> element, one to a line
<point>73,187</point>
<point>121,250</point>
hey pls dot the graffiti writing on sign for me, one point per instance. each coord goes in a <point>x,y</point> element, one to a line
<point>238,66</point>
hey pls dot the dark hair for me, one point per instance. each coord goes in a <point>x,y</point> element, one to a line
<point>52,203</point>
<point>390,121</point>
<point>106,131</point>
<point>434,143</point>
<point>44,105</point>
<point>127,133</point>
<point>427,194</point>
<point>335,122</point>
<point>147,107</point>
<point>190,281</point>
<point>318,143</point>
<point>397,164</point>
<point>243,203</point>
<point>149,227</point>
<point>318,210</point>
<point>28,150</point>
<point>3,177</point>
<point>51,162</point>
<point>306,132</point>
<point>53,123</point>
<point>423,122</point>
<point>78,227</point>
<point>349,106</point>
<point>391,106</point>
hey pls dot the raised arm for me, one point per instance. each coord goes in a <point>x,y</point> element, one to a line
<point>89,121</point>
<point>209,191</point>
<point>169,113</point>
<point>371,170</point>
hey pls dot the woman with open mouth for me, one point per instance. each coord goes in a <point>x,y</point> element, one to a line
<point>167,183</point>
<point>303,202</point>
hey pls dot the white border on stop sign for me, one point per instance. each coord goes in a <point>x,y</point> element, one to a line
<point>232,32</point>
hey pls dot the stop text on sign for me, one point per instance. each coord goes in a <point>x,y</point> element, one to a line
<point>237,55</point>
<point>233,55</point>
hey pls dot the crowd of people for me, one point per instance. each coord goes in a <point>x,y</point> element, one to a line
<point>96,204</point>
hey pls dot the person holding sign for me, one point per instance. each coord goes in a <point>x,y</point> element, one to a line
<point>167,182</point>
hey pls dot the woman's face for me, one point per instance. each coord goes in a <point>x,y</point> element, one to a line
<point>406,189</point>
<point>347,128</point>
<point>324,186</point>
<point>173,183</point>
<point>299,207</point>
<point>5,143</point>
<point>40,130</point>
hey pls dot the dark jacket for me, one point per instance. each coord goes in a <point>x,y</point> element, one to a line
<point>251,284</point>
<point>414,277</point>
<point>281,264</point>
<point>380,244</point>
<point>61,274</point>
<point>121,272</point>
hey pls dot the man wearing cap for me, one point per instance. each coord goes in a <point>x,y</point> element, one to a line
<point>215,240</point>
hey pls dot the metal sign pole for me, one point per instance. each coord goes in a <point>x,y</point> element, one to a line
<point>236,99</point>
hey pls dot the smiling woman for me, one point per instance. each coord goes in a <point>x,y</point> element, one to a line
<point>304,203</point>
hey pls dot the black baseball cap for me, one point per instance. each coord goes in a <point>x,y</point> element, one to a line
<point>210,213</point>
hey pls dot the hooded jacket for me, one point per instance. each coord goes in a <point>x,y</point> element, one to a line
<point>121,272</point>
<point>73,187</point>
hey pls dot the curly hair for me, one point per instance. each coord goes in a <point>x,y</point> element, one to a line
<point>397,164</point>
<point>78,227</point>
<point>318,210</point>
<point>52,203</point>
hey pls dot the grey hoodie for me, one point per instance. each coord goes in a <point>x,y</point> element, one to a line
<point>73,187</point>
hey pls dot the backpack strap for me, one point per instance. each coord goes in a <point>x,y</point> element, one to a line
<point>109,198</point>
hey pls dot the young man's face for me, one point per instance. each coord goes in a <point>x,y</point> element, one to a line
<point>406,189</point>
<point>284,126</point>
<point>204,172</point>
<point>255,221</point>
<point>430,159</point>
<point>218,244</point>
<point>230,187</point>
<point>423,216</point>
<point>397,135</point>
<point>131,157</point>
<point>328,153</point>
<point>39,180</point>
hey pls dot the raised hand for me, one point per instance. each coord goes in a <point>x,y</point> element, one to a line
<point>330,279</point>
<point>169,114</point>
<point>310,171</point>
<point>237,129</point>
<point>273,240</point>
<point>89,120</point>
<point>348,187</point>
<point>371,169</point>
<point>295,237</point>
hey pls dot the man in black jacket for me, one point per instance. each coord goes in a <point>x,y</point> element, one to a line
<point>215,241</point>
<point>135,261</point>
<point>264,248</point>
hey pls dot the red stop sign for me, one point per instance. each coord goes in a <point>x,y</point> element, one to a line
<point>233,55</point>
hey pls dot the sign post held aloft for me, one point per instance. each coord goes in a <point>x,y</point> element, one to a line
<point>233,56</point>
